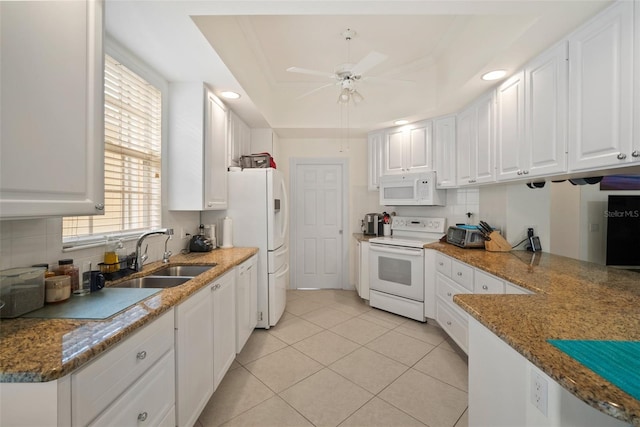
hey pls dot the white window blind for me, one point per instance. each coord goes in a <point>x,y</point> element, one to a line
<point>132,159</point>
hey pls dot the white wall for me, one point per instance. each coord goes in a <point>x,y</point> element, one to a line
<point>565,219</point>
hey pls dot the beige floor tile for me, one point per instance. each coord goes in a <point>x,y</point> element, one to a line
<point>286,316</point>
<point>464,419</point>
<point>302,305</point>
<point>294,330</point>
<point>400,347</point>
<point>326,347</point>
<point>449,345</point>
<point>426,398</point>
<point>238,392</point>
<point>359,330</point>
<point>445,366</point>
<point>283,368</point>
<point>383,318</point>
<point>426,332</point>
<point>370,370</point>
<point>378,413</point>
<point>326,317</point>
<point>272,412</point>
<point>292,296</point>
<point>234,365</point>
<point>259,344</point>
<point>326,398</point>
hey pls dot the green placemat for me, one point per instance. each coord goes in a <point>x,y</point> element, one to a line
<point>616,361</point>
<point>96,305</point>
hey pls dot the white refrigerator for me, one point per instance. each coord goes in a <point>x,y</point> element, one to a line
<point>258,206</point>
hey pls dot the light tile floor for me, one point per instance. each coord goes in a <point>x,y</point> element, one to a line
<point>333,360</point>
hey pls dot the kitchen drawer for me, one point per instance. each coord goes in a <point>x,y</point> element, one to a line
<point>462,274</point>
<point>456,326</point>
<point>95,386</point>
<point>484,283</point>
<point>147,402</point>
<point>446,289</point>
<point>443,264</point>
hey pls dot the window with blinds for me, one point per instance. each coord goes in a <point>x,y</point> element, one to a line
<point>132,159</point>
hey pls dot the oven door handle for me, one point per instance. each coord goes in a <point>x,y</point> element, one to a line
<point>395,250</point>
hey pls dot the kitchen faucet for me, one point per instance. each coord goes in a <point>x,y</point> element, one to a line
<point>142,257</point>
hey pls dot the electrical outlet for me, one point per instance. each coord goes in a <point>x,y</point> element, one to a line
<point>539,392</point>
<point>184,234</point>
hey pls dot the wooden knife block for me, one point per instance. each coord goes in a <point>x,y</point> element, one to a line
<point>497,243</point>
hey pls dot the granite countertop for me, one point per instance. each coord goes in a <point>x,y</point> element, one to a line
<point>573,300</point>
<point>360,237</point>
<point>39,350</point>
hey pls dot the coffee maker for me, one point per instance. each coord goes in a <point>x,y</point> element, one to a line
<point>371,224</point>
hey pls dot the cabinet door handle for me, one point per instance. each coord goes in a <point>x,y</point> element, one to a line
<point>142,416</point>
<point>636,153</point>
<point>459,273</point>
<point>449,322</point>
<point>622,156</point>
<point>519,172</point>
<point>526,172</point>
<point>100,207</point>
<point>485,287</point>
<point>141,355</point>
<point>441,263</point>
<point>448,294</point>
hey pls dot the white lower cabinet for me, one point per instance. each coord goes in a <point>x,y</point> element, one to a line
<point>455,277</point>
<point>135,377</point>
<point>224,325</point>
<point>194,355</point>
<point>246,300</point>
<point>362,269</point>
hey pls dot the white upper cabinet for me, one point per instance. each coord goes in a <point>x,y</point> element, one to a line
<point>601,90</point>
<point>52,130</point>
<point>197,154</point>
<point>510,128</point>
<point>474,142</point>
<point>531,118</point>
<point>374,146</point>
<point>239,139</point>
<point>444,146</point>
<point>408,149</point>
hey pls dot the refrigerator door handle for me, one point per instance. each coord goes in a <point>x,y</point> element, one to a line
<point>285,222</point>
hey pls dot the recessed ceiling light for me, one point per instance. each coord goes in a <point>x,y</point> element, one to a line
<point>401,122</point>
<point>494,75</point>
<point>230,95</point>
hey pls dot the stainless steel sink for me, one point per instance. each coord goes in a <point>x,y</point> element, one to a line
<point>182,270</point>
<point>153,282</point>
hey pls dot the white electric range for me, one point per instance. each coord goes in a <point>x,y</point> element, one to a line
<point>396,265</point>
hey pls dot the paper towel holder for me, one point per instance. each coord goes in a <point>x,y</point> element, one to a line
<point>227,233</point>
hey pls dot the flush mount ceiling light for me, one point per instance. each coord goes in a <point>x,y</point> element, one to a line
<point>494,75</point>
<point>230,95</point>
<point>401,122</point>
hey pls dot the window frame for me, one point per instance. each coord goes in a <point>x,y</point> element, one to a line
<point>135,64</point>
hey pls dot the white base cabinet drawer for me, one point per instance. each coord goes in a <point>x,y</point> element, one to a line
<point>455,325</point>
<point>95,386</point>
<point>446,289</point>
<point>462,274</point>
<point>147,402</point>
<point>484,283</point>
<point>443,264</point>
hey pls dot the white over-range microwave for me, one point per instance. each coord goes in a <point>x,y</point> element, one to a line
<point>417,189</point>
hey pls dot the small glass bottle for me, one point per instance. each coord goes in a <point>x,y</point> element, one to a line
<point>47,272</point>
<point>65,266</point>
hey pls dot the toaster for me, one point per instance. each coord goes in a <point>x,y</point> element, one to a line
<point>465,236</point>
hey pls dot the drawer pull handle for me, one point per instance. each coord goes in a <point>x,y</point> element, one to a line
<point>142,416</point>
<point>448,294</point>
<point>441,263</point>
<point>449,322</point>
<point>459,273</point>
<point>141,355</point>
<point>485,287</point>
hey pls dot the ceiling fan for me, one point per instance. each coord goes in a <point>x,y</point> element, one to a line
<point>346,75</point>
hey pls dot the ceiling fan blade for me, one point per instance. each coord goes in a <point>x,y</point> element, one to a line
<point>311,72</point>
<point>315,90</point>
<point>386,80</point>
<point>368,62</point>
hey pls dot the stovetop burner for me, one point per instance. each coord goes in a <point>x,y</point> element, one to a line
<point>413,232</point>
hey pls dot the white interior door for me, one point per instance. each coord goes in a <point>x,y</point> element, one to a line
<point>319,224</point>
